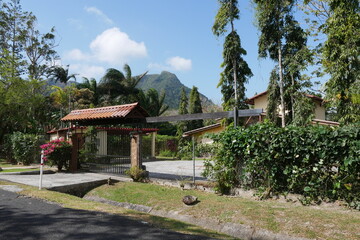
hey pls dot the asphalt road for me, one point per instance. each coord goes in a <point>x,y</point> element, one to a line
<point>29,218</point>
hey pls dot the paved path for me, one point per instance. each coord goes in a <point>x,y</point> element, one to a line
<point>33,219</point>
<point>57,179</point>
<point>160,169</point>
<point>175,169</point>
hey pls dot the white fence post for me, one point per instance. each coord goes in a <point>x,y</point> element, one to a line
<point>41,168</point>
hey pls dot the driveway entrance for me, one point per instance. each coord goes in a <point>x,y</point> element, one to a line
<point>179,170</point>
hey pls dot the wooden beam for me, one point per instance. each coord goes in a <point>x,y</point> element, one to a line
<point>196,116</point>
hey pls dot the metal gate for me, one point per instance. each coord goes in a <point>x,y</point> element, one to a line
<point>117,160</point>
<point>110,164</point>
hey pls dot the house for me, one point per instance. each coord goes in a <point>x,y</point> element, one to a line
<point>261,100</point>
<point>199,133</point>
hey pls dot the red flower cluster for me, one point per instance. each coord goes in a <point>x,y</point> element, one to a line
<point>51,146</point>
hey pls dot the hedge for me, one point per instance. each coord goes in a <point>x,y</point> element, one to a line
<point>319,162</point>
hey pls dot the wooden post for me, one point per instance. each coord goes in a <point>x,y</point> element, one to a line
<point>136,160</point>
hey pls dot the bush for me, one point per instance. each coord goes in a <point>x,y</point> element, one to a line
<point>24,147</point>
<point>167,153</point>
<point>57,152</point>
<point>137,174</point>
<point>318,162</point>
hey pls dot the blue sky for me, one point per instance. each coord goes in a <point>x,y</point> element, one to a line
<point>153,35</point>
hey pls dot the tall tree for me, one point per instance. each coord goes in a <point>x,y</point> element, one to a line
<point>90,84</point>
<point>341,59</point>
<point>12,23</point>
<point>61,74</point>
<point>284,41</point>
<point>119,88</point>
<point>39,49</point>
<point>195,107</point>
<point>236,71</point>
<point>183,105</point>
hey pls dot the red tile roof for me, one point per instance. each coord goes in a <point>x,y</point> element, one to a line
<point>132,110</point>
<point>251,100</point>
<point>202,129</point>
<point>110,130</point>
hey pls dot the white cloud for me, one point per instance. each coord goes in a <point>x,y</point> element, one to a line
<point>179,64</point>
<point>89,71</point>
<point>76,55</point>
<point>116,47</point>
<point>111,46</point>
<point>99,14</point>
<point>173,64</point>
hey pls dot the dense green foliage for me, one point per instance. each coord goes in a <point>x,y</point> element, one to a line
<point>341,58</point>
<point>321,163</point>
<point>25,147</point>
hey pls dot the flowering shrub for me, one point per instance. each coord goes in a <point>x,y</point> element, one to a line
<point>57,152</point>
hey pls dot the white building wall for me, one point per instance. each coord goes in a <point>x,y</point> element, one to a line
<point>101,142</point>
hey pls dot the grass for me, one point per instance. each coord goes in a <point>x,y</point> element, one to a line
<point>19,170</point>
<point>279,217</point>
<point>4,163</point>
<point>69,201</point>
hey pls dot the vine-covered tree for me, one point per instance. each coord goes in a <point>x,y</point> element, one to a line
<point>236,71</point>
<point>341,59</point>
<point>195,107</point>
<point>284,41</point>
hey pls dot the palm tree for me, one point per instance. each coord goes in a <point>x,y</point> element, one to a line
<point>61,74</point>
<point>92,86</point>
<point>152,102</point>
<point>117,87</point>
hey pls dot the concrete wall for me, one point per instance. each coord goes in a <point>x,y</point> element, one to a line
<point>261,102</point>
<point>319,111</point>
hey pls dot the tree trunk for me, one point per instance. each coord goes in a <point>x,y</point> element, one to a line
<point>281,85</point>
<point>292,97</point>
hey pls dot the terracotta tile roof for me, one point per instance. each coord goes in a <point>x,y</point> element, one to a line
<point>110,130</point>
<point>112,112</point>
<point>251,100</point>
<point>202,129</point>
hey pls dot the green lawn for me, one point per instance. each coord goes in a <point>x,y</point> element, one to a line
<point>73,202</point>
<point>19,170</point>
<point>4,163</point>
<point>279,217</point>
